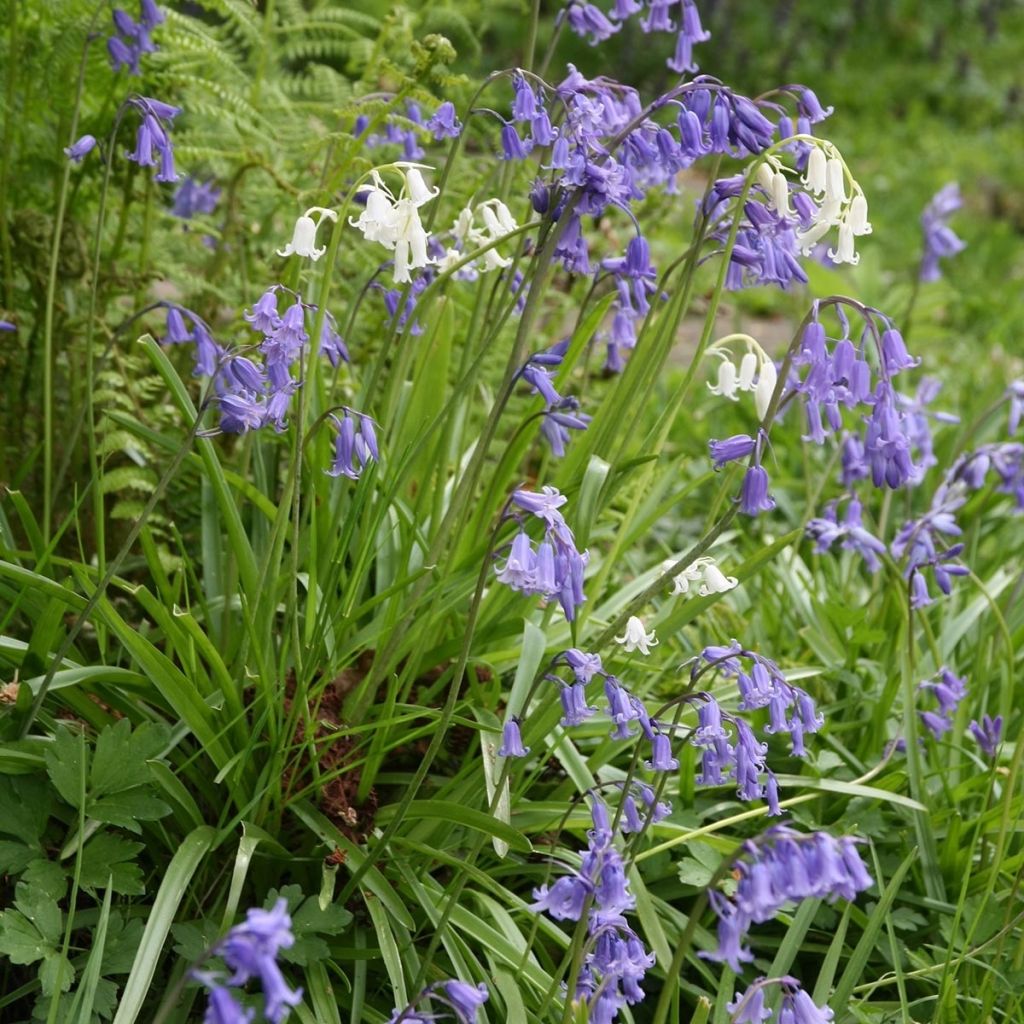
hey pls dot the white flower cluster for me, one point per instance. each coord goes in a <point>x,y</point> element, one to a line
<point>395,222</point>
<point>705,573</point>
<point>825,179</point>
<point>756,372</point>
<point>497,223</point>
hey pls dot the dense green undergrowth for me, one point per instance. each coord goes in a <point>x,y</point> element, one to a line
<point>231,678</point>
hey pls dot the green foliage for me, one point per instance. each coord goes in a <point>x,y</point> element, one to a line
<point>227,677</point>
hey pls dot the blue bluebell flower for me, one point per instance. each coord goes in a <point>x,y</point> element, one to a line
<point>77,151</point>
<point>444,124</point>
<point>355,445</point>
<point>988,733</point>
<point>511,741</point>
<point>194,197</point>
<point>940,241</point>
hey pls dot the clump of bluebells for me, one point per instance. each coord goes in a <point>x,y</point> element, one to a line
<point>250,951</point>
<point>130,39</point>
<point>615,960</point>
<point>779,869</point>
<point>552,569</point>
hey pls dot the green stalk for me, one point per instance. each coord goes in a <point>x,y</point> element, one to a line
<point>51,288</point>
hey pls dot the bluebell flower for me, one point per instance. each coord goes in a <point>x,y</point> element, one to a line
<point>940,241</point>
<point>223,1008</point>
<point>754,496</point>
<point>77,151</point>
<point>512,146</point>
<point>152,139</point>
<point>250,950</point>
<point>444,124</point>
<point>464,999</point>
<point>355,445</point>
<point>194,197</point>
<point>511,741</point>
<point>780,868</point>
<point>948,691</point>
<point>988,733</point>
<point>851,533</point>
<point>732,449</point>
<point>590,22</point>
<point>661,754</point>
<point>6,325</point>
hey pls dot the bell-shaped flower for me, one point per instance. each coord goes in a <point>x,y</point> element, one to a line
<point>636,637</point>
<point>303,241</point>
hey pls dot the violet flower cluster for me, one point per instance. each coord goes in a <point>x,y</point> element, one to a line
<point>625,710</point>
<point>949,690</point>
<point>194,197</point>
<point>462,999</point>
<point>616,960</point>
<point>561,413</point>
<point>797,1006</point>
<point>591,22</point>
<point>742,758</point>
<point>988,734</point>
<point>554,568</point>
<point>608,152</point>
<point>940,241</point>
<point>922,543</point>
<point>250,951</point>
<point>152,139</point>
<point>779,868</point>
<point>130,39</point>
<point>405,137</point>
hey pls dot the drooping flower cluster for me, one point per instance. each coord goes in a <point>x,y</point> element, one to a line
<point>590,22</point>
<point>250,950</point>
<point>988,733</point>
<point>756,373</point>
<point>858,378</point>
<point>467,236</point>
<point>80,149</point>
<point>355,444</point>
<point>398,131</point>
<point>742,757</point>
<point>622,707</point>
<point>851,533</point>
<point>940,241</point>
<point>779,868</point>
<point>562,411</point>
<point>194,197</point>
<point>797,1006</point>
<point>754,496</point>
<point>152,138</point>
<point>703,572</point>
<point>921,543</point>
<point>463,999</point>
<point>948,691</point>
<point>553,569</point>
<point>395,222</point>
<point>782,219</point>
<point>130,39</point>
<point>615,961</point>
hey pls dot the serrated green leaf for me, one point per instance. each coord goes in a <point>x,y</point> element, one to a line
<point>110,859</point>
<point>67,761</point>
<point>127,809</point>
<point>46,876</point>
<point>119,761</point>
<point>56,973</point>
<point>15,857</point>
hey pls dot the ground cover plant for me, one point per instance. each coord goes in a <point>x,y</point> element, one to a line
<point>503,540</point>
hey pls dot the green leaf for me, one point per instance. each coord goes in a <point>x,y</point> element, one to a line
<point>15,857</point>
<point>119,762</point>
<point>32,930</point>
<point>175,881</point>
<point>110,859</point>
<point>24,807</point>
<point>127,809</point>
<point>46,876</point>
<point>123,937</point>
<point>67,763</point>
<point>56,973</point>
<point>309,922</point>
